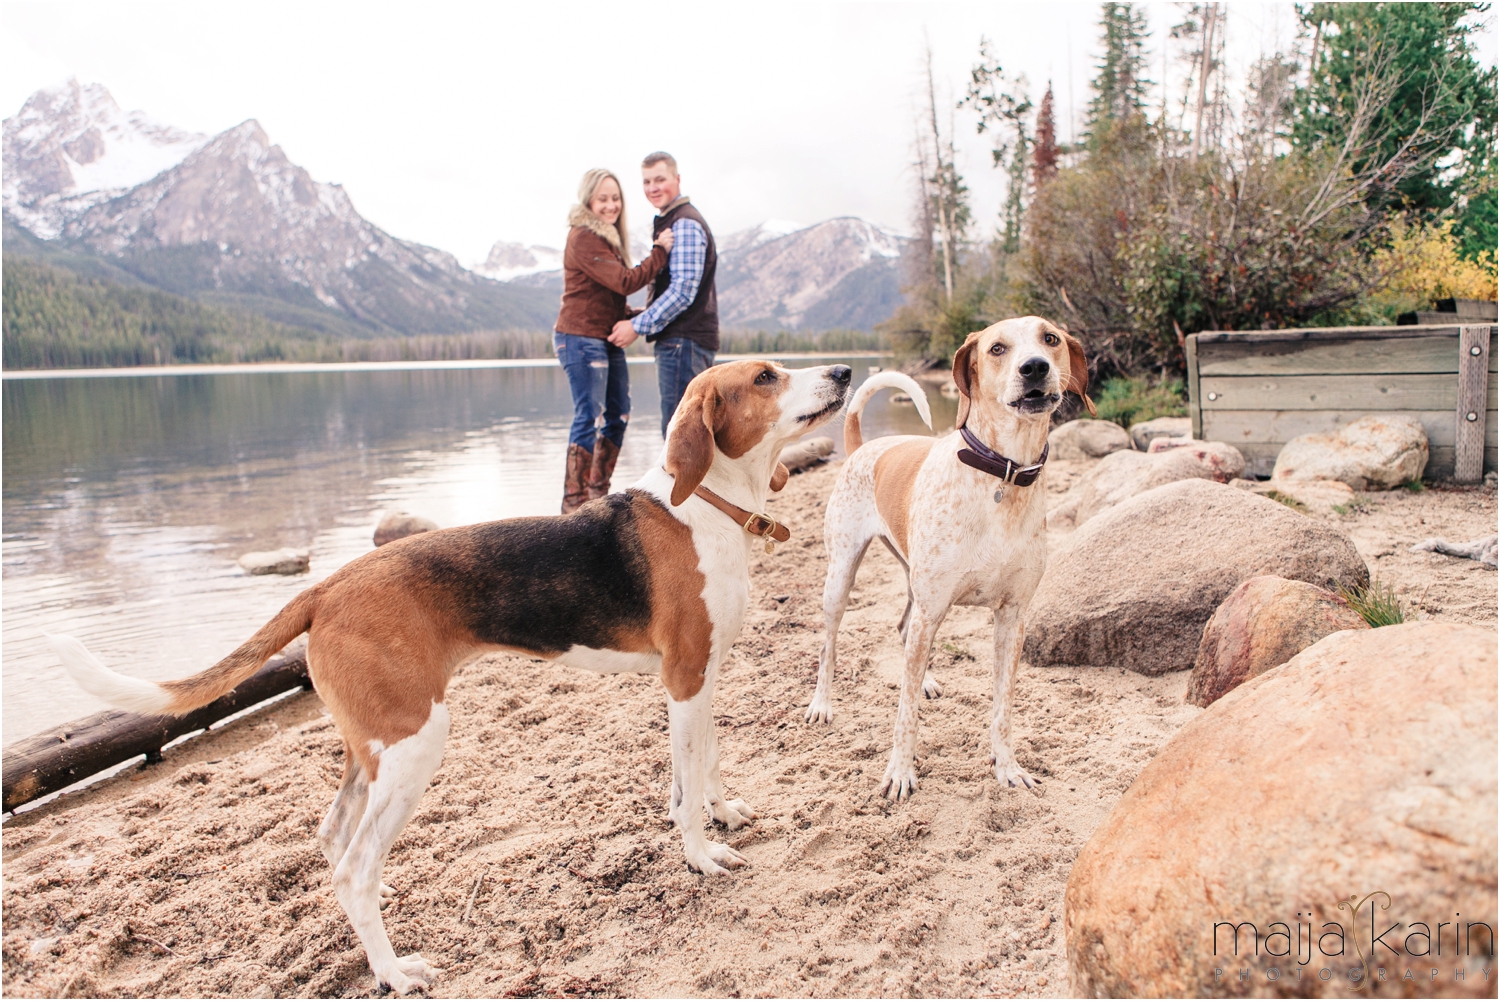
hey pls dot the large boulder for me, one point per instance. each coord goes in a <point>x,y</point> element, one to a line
<point>279,561</point>
<point>1264,623</point>
<point>1134,587</point>
<point>1377,452</point>
<point>1086,440</point>
<point>1353,785</point>
<point>1143,432</point>
<point>1124,474</point>
<point>399,524</point>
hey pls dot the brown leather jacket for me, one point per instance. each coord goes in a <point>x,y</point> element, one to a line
<point>596,282</point>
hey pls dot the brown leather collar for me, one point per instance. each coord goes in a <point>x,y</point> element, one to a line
<point>758,525</point>
<point>982,457</point>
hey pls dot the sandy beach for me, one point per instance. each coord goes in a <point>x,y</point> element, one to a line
<point>541,860</point>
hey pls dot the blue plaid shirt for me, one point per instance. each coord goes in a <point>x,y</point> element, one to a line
<point>688,259</point>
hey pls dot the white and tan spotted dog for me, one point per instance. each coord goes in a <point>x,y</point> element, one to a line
<point>652,579</point>
<point>965,514</point>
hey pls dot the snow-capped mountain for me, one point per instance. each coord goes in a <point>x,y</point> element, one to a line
<point>838,273</point>
<point>745,239</point>
<point>71,147</point>
<point>232,216</point>
<point>508,261</point>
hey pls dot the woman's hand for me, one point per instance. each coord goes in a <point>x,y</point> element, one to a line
<point>665,240</point>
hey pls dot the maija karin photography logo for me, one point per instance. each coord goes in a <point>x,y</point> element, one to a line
<point>1365,947</point>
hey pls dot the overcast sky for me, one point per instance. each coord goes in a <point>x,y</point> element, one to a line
<point>459,124</point>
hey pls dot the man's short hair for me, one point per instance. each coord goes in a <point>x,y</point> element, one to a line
<point>652,159</point>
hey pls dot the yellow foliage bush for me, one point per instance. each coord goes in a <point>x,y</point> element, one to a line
<point>1423,265</point>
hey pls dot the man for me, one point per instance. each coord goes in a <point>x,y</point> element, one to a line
<point>682,318</point>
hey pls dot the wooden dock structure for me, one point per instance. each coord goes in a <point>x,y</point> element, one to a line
<point>1257,390</point>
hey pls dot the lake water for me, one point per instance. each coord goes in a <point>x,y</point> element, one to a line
<point>128,500</point>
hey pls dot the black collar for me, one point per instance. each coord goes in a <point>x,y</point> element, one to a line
<point>982,457</point>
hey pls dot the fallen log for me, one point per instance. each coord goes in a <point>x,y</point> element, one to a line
<point>62,755</point>
<point>802,455</point>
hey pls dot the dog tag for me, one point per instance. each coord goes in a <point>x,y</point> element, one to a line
<point>770,546</point>
<point>998,495</point>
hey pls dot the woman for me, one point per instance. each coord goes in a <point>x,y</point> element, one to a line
<point>597,277</point>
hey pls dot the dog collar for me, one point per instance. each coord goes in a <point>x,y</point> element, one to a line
<point>982,457</point>
<point>762,526</point>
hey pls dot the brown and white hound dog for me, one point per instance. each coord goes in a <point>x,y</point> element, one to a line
<point>652,579</point>
<point>965,514</point>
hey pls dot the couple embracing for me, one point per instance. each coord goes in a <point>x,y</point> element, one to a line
<point>595,325</point>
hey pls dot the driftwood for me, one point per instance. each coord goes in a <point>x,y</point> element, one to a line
<point>65,754</point>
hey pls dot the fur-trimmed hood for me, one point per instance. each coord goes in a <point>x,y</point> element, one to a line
<point>579,215</point>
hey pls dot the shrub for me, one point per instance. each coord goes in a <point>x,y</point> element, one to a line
<point>1375,602</point>
<point>1127,400</point>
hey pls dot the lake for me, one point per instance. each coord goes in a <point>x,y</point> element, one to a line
<point>128,500</point>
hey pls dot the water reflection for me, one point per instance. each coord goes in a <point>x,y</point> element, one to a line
<point>128,500</point>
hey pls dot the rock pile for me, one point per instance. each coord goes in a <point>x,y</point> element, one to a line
<point>1264,623</point>
<point>1085,439</point>
<point>1353,785</point>
<point>279,561</point>
<point>399,524</point>
<point>1377,452</point>
<point>1143,433</point>
<point>1135,585</point>
<point>1122,475</point>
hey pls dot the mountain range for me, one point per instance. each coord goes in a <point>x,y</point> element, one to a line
<point>229,221</point>
<point>839,273</point>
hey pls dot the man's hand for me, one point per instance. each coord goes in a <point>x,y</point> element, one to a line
<point>623,335</point>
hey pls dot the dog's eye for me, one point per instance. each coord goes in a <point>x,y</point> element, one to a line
<point>765,378</point>
<point>1051,340</point>
<point>997,349</point>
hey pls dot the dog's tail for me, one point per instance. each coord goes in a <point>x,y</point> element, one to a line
<point>174,698</point>
<point>874,384</point>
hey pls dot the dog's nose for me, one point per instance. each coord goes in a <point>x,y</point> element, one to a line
<point>841,374</point>
<point>1034,368</point>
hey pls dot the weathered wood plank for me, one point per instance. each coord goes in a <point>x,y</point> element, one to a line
<point>1325,334</point>
<point>1473,380</point>
<point>1281,426</point>
<point>1195,407</point>
<point>1391,356</point>
<point>1347,392</point>
<point>70,753</point>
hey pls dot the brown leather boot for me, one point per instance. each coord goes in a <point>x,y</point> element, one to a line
<point>606,453</point>
<point>580,460</point>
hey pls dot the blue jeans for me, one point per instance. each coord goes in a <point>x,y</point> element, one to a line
<point>600,381</point>
<point>678,359</point>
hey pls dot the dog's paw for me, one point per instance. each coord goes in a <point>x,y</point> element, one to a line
<point>930,686</point>
<point>398,982</point>
<point>715,859</point>
<point>1009,773</point>
<point>732,813</point>
<point>820,709</point>
<point>414,966</point>
<point>900,779</point>
<point>387,896</point>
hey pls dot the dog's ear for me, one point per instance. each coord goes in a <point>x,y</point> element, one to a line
<point>1078,373</point>
<point>690,449</point>
<point>778,477</point>
<point>963,375</point>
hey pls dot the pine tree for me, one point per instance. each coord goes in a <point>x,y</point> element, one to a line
<point>1120,88</point>
<point>1045,155</point>
<point>1003,107</point>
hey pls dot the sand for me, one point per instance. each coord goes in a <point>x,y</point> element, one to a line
<point>541,861</point>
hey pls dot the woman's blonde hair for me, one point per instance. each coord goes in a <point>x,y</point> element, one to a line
<point>586,190</point>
